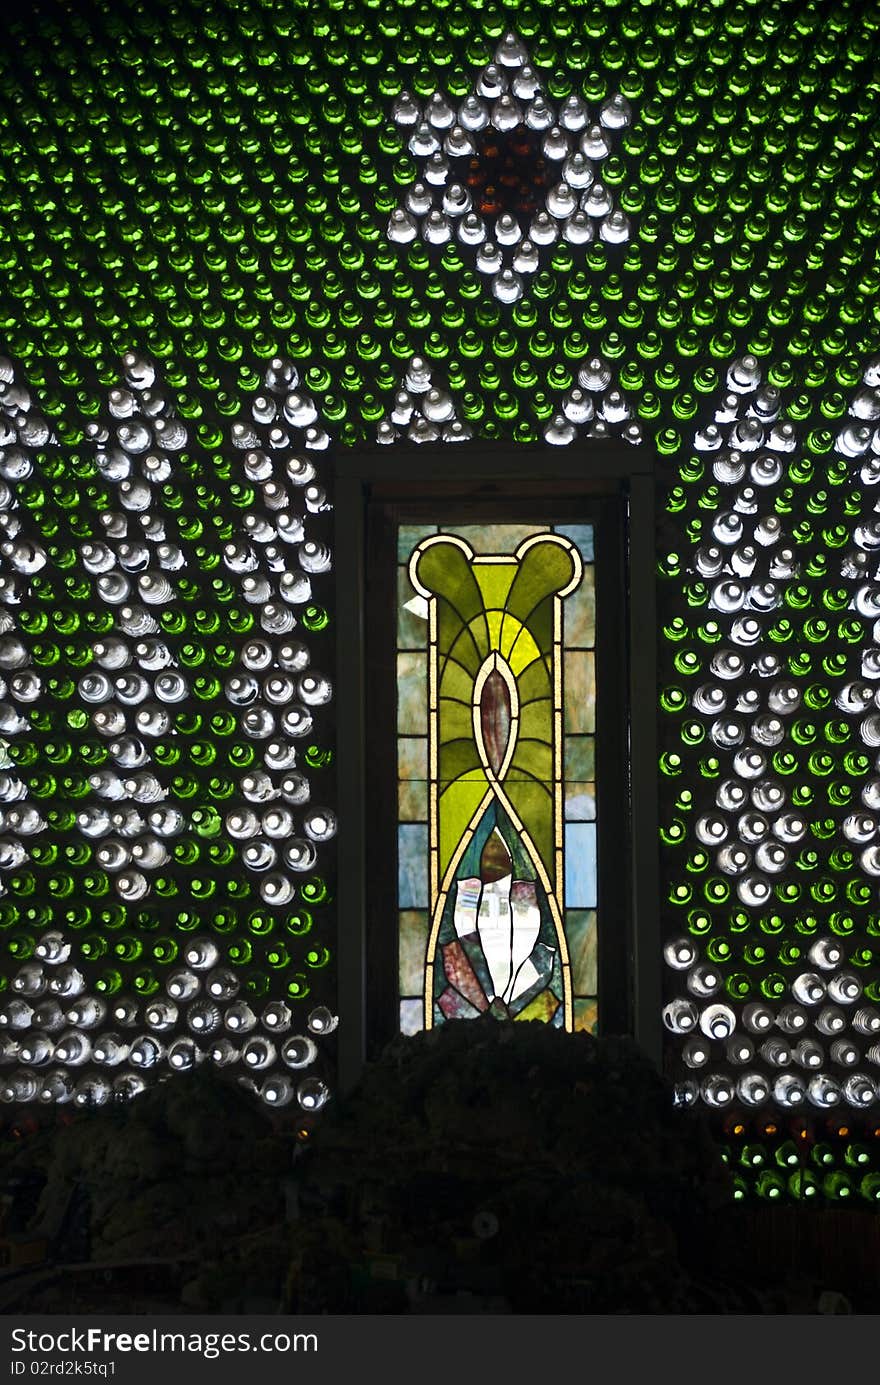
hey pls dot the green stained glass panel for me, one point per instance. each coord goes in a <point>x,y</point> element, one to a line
<point>457,718</point>
<point>580,927</point>
<point>534,682</point>
<point>533,759</point>
<point>535,718</point>
<point>586,1014</point>
<point>580,691</point>
<point>412,797</point>
<point>465,644</point>
<point>456,682</point>
<point>413,935</point>
<point>580,758</point>
<point>459,760</point>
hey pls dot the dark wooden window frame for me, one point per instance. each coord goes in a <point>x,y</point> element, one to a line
<point>373,487</point>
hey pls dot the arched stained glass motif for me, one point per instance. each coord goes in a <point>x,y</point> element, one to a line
<point>496,756</point>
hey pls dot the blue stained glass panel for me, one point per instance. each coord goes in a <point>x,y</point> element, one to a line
<point>580,865</point>
<point>581,536</point>
<point>412,865</point>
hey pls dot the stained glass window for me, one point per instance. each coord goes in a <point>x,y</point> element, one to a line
<point>496,692</point>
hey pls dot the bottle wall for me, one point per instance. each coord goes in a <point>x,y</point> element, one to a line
<point>217,269</point>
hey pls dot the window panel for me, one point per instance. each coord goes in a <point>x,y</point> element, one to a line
<point>507,796</point>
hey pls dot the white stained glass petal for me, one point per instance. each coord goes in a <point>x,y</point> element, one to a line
<point>418,606</point>
<point>525,927</point>
<point>494,925</point>
<point>527,976</point>
<point>467,899</point>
